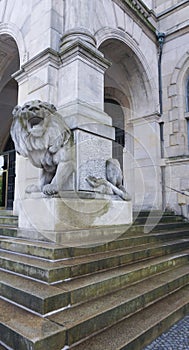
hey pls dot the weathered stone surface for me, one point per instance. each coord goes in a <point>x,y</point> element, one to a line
<point>130,333</point>
<point>113,182</point>
<point>102,284</point>
<point>33,295</point>
<point>21,329</point>
<point>107,310</point>
<point>52,215</point>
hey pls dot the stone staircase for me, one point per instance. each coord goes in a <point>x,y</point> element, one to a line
<point>115,295</point>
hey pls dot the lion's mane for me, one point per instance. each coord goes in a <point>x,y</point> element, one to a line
<point>39,133</point>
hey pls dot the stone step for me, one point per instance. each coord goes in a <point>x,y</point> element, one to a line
<point>154,227</point>
<point>8,231</point>
<point>52,271</point>
<point>124,256</point>
<point>83,320</point>
<point>147,213</point>
<point>9,220</point>
<point>21,330</point>
<point>33,295</point>
<point>35,268</point>
<point>6,212</point>
<point>98,284</point>
<point>46,250</point>
<point>135,332</point>
<point>98,236</point>
<point>8,223</point>
<point>54,251</point>
<point>87,287</point>
<point>43,298</point>
<point>158,219</point>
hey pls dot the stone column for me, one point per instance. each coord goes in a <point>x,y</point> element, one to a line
<point>79,14</point>
<point>81,103</point>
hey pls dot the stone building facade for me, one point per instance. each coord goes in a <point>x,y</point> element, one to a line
<point>96,59</point>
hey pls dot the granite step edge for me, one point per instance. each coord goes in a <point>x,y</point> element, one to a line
<point>34,295</point>
<point>43,299</point>
<point>54,251</point>
<point>90,287</point>
<point>85,319</point>
<point>39,332</point>
<point>141,328</point>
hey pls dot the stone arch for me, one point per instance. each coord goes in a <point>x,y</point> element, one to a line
<point>117,95</point>
<point>182,65</point>
<point>130,80</point>
<point>149,85</point>
<point>13,31</point>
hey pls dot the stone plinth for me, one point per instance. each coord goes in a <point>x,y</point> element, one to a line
<point>91,154</point>
<point>67,220</point>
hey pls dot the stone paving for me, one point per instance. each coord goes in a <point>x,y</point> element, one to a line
<point>176,338</point>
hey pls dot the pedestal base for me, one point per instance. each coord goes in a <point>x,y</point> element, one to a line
<point>70,220</point>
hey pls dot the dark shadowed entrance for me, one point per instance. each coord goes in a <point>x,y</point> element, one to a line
<point>114,109</point>
<point>9,64</point>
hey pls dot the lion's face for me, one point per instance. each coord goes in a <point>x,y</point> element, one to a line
<point>33,114</point>
<point>39,132</point>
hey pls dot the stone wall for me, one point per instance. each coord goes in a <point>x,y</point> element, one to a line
<point>175,63</point>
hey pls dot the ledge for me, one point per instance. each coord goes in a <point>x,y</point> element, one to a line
<point>140,10</point>
<point>177,159</point>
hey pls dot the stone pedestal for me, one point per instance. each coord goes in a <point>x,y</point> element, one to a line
<point>74,220</point>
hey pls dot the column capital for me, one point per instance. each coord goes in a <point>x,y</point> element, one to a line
<point>81,44</point>
<point>76,34</point>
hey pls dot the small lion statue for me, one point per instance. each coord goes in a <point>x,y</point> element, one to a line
<point>113,182</point>
<point>40,134</point>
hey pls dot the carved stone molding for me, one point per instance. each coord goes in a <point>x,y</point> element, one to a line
<point>78,33</point>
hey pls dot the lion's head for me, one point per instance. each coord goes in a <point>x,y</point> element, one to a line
<point>38,132</point>
<point>32,115</point>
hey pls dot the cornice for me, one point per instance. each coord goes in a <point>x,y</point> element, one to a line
<point>172,9</point>
<point>177,31</point>
<point>40,60</point>
<point>140,11</point>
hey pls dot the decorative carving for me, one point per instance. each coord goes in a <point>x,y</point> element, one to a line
<point>40,134</point>
<point>113,182</point>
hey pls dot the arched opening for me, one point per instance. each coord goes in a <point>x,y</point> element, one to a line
<point>130,100</point>
<point>9,64</point>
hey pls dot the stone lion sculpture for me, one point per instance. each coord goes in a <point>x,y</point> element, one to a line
<point>113,182</point>
<point>40,134</point>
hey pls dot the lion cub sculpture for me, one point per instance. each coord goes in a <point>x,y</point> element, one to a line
<point>40,134</point>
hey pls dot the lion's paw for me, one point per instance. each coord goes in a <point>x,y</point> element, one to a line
<point>50,189</point>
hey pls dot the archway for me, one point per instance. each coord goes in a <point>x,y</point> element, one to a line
<point>9,64</point>
<point>129,89</point>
